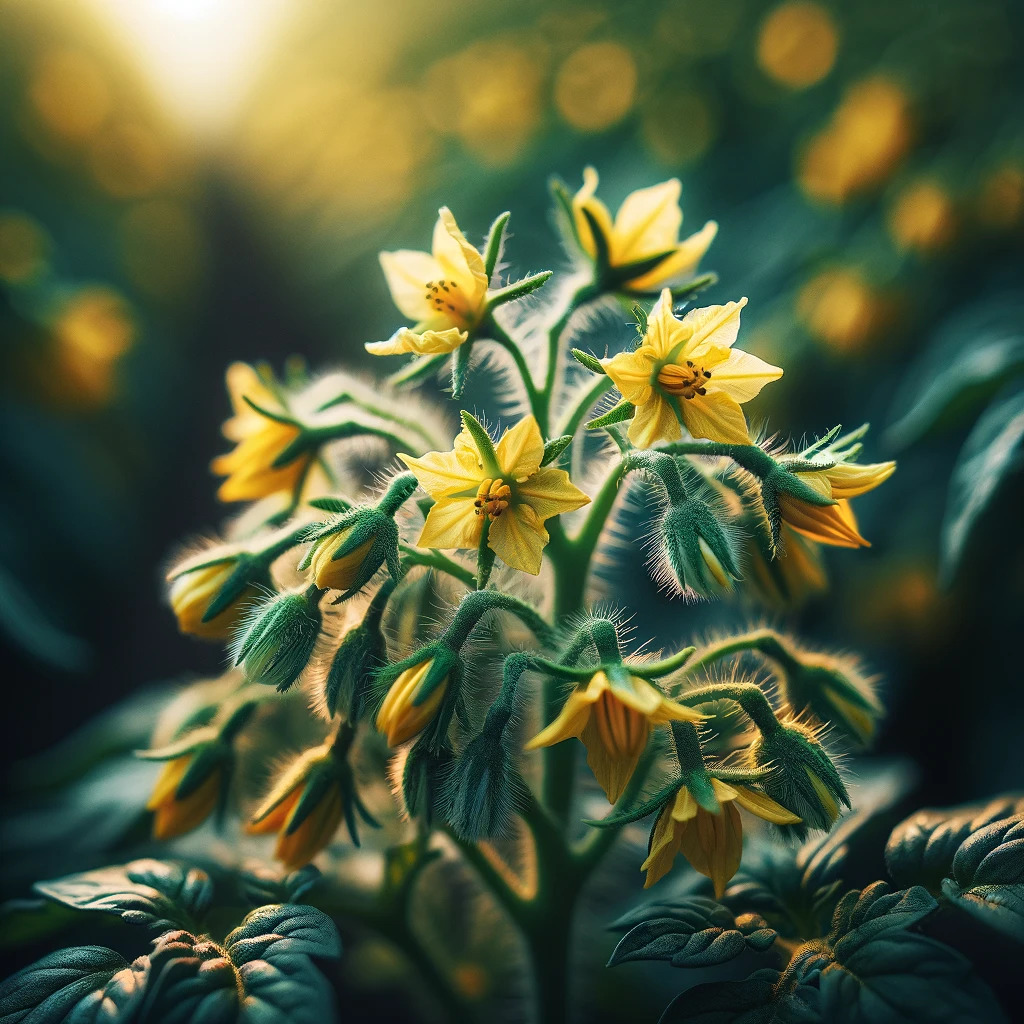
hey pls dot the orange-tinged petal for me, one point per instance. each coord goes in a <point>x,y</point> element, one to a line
<point>274,819</point>
<point>665,842</point>
<point>851,479</point>
<point>614,737</point>
<point>572,719</point>
<point>314,834</point>
<point>713,844</point>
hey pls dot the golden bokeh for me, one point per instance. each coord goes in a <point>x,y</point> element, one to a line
<point>1000,203</point>
<point>69,94</point>
<point>922,217</point>
<point>596,86</point>
<point>842,309</point>
<point>23,247</point>
<point>797,44</point>
<point>129,160</point>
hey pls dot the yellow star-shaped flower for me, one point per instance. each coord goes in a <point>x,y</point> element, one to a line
<point>443,291</point>
<point>687,374</point>
<point>509,491</point>
<point>647,224</point>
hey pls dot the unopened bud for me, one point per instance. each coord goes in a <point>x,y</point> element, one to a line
<point>835,692</point>
<point>422,780</point>
<point>698,550</point>
<point>415,694</point>
<point>209,597</point>
<point>483,789</point>
<point>346,554</point>
<point>189,786</point>
<point>280,638</point>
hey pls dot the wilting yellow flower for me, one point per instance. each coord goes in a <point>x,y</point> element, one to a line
<point>834,524</point>
<point>330,573</point>
<point>712,843</point>
<point>923,217</point>
<point>405,710</point>
<point>686,373</point>
<point>191,593</point>
<point>249,467</point>
<point>304,808</point>
<point>647,223</point>
<point>868,136</point>
<point>175,816</point>
<point>613,719</point>
<point>794,574</point>
<point>511,492</point>
<point>444,291</point>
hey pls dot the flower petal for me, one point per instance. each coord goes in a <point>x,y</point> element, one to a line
<point>713,325</point>
<point>549,492</point>
<point>713,845</point>
<point>429,343</point>
<point>442,474</point>
<point>520,449</point>
<point>407,273</point>
<point>451,523</point>
<point>518,538</point>
<point>850,479</point>
<point>764,806</point>
<point>631,372</point>
<point>665,841</point>
<point>572,719</point>
<point>741,375</point>
<point>716,417</point>
<point>647,223</point>
<point>457,258</point>
<point>654,421</point>
<point>664,329</point>
<point>682,264</point>
<point>585,197</point>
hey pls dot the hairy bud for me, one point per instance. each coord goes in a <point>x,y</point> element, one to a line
<point>280,638</point>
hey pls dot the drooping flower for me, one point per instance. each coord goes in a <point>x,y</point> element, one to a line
<point>646,225</point>
<point>506,488</point>
<point>834,524</point>
<point>613,718</point>
<point>444,292</point>
<point>411,702</point>
<point>687,374</point>
<point>304,808</point>
<point>191,594</point>
<point>178,810</point>
<point>330,570</point>
<point>260,440</point>
<point>711,841</point>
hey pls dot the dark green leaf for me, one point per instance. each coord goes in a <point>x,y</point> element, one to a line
<point>191,981</point>
<point>698,933</point>
<point>262,884</point>
<point>862,916</point>
<point>280,930</point>
<point>990,453</point>
<point>758,1000</point>
<point>518,289</point>
<point>291,990</point>
<point>157,894</point>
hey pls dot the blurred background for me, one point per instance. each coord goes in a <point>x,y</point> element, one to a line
<point>188,182</point>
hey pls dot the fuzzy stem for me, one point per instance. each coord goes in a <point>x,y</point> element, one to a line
<point>500,336</point>
<point>434,559</point>
<point>765,641</point>
<point>749,697</point>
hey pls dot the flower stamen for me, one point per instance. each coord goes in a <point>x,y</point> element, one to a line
<point>492,498</point>
<point>683,381</point>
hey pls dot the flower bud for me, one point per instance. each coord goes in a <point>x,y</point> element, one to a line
<point>336,563</point>
<point>415,695</point>
<point>306,806</point>
<point>698,550</point>
<point>280,638</point>
<point>189,786</point>
<point>223,586</point>
<point>483,789</point>
<point>804,778</point>
<point>422,779</point>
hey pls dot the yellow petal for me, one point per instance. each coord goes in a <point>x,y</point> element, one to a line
<point>713,325</point>
<point>713,845</point>
<point>682,264</point>
<point>741,375</point>
<point>828,524</point>
<point>572,719</point>
<point>457,258</point>
<point>647,223</point>
<point>615,738</point>
<point>684,807</point>
<point>451,523</point>
<point>664,329</point>
<point>549,492</point>
<point>426,344</point>
<point>518,537</point>
<point>407,273</point>
<point>445,473</point>
<point>850,479</point>
<point>764,807</point>
<point>716,417</point>
<point>654,421</point>
<point>585,197</point>
<point>520,449</point>
<point>631,373</point>
<point>664,847</point>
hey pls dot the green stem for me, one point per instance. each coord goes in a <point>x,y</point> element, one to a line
<point>750,698</point>
<point>765,641</point>
<point>500,336</point>
<point>557,329</point>
<point>574,418</point>
<point>434,559</point>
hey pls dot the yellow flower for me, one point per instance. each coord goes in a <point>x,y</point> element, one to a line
<point>647,224</point>
<point>191,593</point>
<point>330,573</point>
<point>793,575</point>
<point>405,712</point>
<point>613,720</point>
<point>686,373</point>
<point>509,491</point>
<point>249,468</point>
<point>834,524</point>
<point>175,816</point>
<point>443,291</point>
<point>712,843</point>
<point>304,809</point>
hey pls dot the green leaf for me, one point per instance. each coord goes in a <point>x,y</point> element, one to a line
<point>153,893</point>
<point>555,448</point>
<point>758,1000</point>
<point>592,363</point>
<point>922,848</point>
<point>335,505</point>
<point>697,933</point>
<point>263,884</point>
<point>990,453</point>
<point>862,916</point>
<point>61,986</point>
<point>291,990</point>
<point>283,930</point>
<point>622,410</point>
<point>190,981</point>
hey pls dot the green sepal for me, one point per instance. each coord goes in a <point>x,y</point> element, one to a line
<point>279,642</point>
<point>484,558</point>
<point>622,410</point>
<point>210,758</point>
<point>321,777</point>
<point>554,448</point>
<point>277,417</point>
<point>423,778</point>
<point>640,316</point>
<point>518,290</point>
<point>682,292</point>
<point>183,745</point>
<point>601,253</point>
<point>335,505</point>
<point>495,240</point>
<point>483,442</point>
<point>460,369</point>
<point>620,274</point>
<point>250,572</point>
<point>638,812</point>
<point>592,363</point>
<point>565,214</point>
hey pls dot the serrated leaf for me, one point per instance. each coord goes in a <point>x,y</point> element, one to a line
<point>191,981</point>
<point>291,990</point>
<point>757,1000</point>
<point>262,884</point>
<point>153,893</point>
<point>991,452</point>
<point>921,849</point>
<point>284,929</point>
<point>998,906</point>
<point>699,933</point>
<point>862,916</point>
<point>993,855</point>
